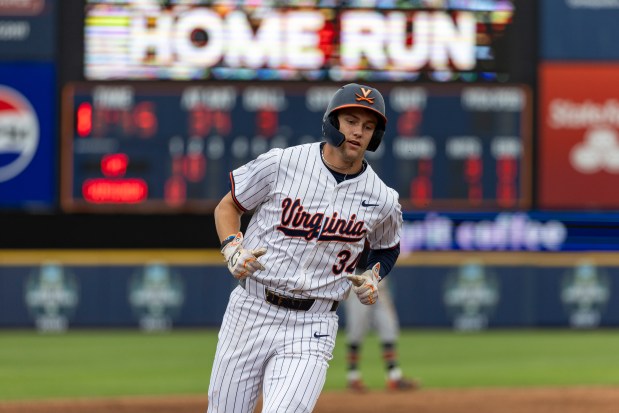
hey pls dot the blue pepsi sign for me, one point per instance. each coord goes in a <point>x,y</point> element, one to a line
<point>27,126</point>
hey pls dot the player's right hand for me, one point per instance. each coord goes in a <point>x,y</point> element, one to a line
<point>242,262</point>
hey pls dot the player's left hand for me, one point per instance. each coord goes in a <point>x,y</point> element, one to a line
<point>366,285</point>
<point>242,262</point>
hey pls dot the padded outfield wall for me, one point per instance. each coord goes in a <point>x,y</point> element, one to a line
<point>57,290</point>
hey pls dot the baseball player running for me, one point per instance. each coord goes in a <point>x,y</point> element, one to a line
<point>314,207</point>
<point>383,318</point>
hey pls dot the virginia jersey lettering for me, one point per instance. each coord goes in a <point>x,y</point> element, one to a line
<point>297,222</point>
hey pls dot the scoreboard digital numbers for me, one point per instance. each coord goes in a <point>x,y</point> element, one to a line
<point>168,147</point>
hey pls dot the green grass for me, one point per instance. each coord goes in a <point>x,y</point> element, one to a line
<point>119,363</point>
<point>85,364</point>
<point>495,359</point>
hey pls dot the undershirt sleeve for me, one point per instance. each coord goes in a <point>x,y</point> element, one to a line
<point>386,257</point>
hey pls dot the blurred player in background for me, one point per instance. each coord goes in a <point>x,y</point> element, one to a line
<point>315,206</point>
<point>382,317</point>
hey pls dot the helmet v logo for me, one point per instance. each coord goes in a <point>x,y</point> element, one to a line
<point>366,93</point>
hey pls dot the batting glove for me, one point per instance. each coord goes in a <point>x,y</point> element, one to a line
<point>366,285</point>
<point>242,262</point>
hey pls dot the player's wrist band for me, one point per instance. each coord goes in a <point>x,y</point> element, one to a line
<point>227,241</point>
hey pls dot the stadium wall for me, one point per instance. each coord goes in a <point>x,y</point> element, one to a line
<point>56,290</point>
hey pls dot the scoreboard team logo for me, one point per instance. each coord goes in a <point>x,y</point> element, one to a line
<point>19,133</point>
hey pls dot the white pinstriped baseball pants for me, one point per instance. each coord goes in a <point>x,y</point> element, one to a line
<point>265,346</point>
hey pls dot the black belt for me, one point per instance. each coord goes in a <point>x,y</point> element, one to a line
<point>299,304</point>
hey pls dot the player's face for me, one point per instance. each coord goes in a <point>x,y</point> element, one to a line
<point>358,126</point>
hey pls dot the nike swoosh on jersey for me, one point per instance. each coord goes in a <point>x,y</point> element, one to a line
<point>316,335</point>
<point>366,204</point>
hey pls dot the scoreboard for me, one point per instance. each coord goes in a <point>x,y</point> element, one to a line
<point>169,146</point>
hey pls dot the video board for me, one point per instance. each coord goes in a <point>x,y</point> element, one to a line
<point>314,40</point>
<point>169,146</point>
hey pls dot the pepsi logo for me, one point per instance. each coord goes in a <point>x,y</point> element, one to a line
<point>19,133</point>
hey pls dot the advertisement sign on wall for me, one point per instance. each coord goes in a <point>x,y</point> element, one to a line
<point>510,231</point>
<point>469,295</point>
<point>579,136</point>
<point>579,29</point>
<point>153,296</point>
<point>27,29</point>
<point>27,152</point>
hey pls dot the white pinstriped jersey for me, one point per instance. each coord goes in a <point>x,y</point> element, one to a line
<point>313,228</point>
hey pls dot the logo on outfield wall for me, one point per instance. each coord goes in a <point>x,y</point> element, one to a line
<point>585,292</point>
<point>471,294</point>
<point>51,296</point>
<point>156,295</point>
<point>19,133</point>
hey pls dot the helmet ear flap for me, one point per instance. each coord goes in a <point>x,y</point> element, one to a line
<point>377,137</point>
<point>331,130</point>
<point>334,120</point>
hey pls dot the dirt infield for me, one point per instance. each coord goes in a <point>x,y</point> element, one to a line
<point>572,400</point>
